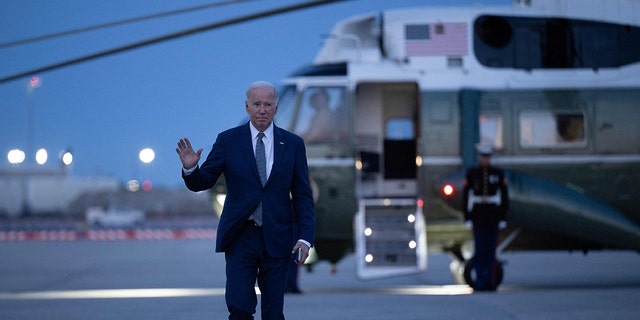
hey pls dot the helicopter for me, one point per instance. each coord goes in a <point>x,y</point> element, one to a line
<point>551,87</point>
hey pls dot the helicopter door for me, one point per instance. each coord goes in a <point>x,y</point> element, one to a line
<point>389,226</point>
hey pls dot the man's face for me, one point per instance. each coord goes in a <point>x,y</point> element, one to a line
<point>261,107</point>
<point>484,160</point>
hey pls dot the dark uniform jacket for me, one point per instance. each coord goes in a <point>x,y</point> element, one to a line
<point>485,196</point>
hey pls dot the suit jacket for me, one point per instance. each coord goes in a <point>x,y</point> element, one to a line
<point>286,197</point>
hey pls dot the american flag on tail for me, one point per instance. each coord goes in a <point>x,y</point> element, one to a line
<point>436,39</point>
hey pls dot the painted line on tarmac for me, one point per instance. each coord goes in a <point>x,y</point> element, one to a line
<point>109,234</point>
<point>426,290</point>
<point>112,294</point>
<point>204,292</point>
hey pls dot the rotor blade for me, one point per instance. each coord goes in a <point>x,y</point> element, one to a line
<point>171,36</point>
<point>117,23</point>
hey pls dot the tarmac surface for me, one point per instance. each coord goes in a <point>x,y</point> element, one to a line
<point>184,279</point>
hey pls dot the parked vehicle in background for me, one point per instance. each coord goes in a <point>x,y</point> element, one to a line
<point>114,216</point>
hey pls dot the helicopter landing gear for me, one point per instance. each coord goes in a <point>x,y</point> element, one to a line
<point>463,271</point>
<point>470,275</point>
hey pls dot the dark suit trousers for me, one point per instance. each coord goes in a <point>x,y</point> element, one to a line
<point>247,261</point>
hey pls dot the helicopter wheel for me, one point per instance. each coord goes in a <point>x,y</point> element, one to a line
<point>470,276</point>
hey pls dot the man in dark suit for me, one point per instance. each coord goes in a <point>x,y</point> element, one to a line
<point>266,173</point>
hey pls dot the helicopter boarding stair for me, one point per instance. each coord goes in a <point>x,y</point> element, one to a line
<point>390,236</point>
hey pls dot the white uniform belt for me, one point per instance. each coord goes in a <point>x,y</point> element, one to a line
<point>473,199</point>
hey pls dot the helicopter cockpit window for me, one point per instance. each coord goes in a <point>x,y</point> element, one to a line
<point>322,117</point>
<point>286,107</point>
<point>546,129</point>
<point>491,130</point>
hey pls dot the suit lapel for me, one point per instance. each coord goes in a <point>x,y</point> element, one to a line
<point>247,150</point>
<point>279,147</point>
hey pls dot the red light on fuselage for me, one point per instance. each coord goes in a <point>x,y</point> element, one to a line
<point>448,190</point>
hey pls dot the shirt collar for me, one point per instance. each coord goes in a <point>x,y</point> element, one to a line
<point>268,133</point>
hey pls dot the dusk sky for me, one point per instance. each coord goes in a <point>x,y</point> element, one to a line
<point>107,110</point>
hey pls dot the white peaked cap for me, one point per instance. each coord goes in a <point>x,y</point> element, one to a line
<point>484,148</point>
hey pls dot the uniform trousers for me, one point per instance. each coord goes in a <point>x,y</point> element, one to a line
<point>485,240</point>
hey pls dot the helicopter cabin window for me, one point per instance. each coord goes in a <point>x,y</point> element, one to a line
<point>491,130</point>
<point>547,129</point>
<point>440,111</point>
<point>322,117</point>
<point>399,149</point>
<point>552,43</point>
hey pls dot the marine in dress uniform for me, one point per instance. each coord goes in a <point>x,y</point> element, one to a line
<point>485,203</point>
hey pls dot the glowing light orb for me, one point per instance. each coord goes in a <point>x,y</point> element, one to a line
<point>16,156</point>
<point>147,155</point>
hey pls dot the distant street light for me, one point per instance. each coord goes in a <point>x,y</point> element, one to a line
<point>147,155</point>
<point>15,156</point>
<point>34,82</point>
<point>66,157</point>
<point>147,185</point>
<point>42,156</point>
<point>133,185</point>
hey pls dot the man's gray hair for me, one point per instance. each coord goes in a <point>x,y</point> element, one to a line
<point>263,84</point>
